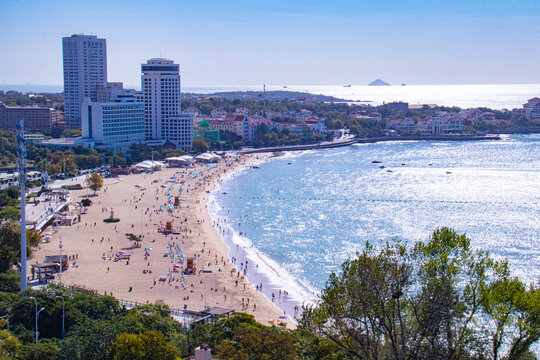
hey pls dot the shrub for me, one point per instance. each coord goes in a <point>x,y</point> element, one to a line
<point>72,187</point>
<point>113,220</point>
<point>86,202</point>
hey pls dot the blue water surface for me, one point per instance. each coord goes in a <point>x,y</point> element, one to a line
<point>310,211</point>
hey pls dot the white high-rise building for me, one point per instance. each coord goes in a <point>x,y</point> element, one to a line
<point>160,85</point>
<point>85,69</point>
<point>114,124</point>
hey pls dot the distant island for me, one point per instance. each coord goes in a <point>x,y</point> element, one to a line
<point>379,82</point>
<point>277,95</point>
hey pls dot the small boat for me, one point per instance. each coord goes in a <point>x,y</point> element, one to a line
<point>348,85</point>
<point>389,171</point>
<point>256,167</point>
<point>376,162</point>
<point>403,164</point>
<point>448,172</point>
<point>289,163</point>
<point>382,166</point>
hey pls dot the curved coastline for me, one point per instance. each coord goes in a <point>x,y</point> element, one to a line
<point>138,200</point>
<point>261,270</point>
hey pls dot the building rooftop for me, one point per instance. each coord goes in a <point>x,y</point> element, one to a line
<point>159,61</point>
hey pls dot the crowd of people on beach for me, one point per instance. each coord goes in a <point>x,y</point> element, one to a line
<point>173,201</point>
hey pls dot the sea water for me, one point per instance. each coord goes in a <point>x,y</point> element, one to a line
<point>494,96</point>
<point>302,214</point>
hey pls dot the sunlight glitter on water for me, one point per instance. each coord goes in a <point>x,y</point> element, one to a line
<point>313,214</point>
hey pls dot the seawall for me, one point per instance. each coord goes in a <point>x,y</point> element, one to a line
<point>371,140</point>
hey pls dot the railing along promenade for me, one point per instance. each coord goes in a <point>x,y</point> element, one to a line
<point>188,315</point>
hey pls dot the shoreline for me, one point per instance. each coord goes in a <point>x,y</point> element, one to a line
<point>289,293</point>
<point>135,199</point>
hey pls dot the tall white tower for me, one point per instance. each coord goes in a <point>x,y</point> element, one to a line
<point>85,69</point>
<point>160,84</point>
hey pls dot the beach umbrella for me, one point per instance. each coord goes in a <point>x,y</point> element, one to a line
<point>148,249</point>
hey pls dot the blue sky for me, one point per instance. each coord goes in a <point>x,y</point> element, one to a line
<point>308,42</point>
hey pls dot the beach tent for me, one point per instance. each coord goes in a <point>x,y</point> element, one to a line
<point>207,157</point>
<point>176,161</point>
<point>150,165</point>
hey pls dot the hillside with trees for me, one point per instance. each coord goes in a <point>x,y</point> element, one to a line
<point>437,299</point>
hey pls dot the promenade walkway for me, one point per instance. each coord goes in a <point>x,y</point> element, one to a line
<point>39,215</point>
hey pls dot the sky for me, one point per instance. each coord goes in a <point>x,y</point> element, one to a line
<point>281,42</point>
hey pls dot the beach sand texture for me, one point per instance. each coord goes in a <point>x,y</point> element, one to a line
<point>135,200</point>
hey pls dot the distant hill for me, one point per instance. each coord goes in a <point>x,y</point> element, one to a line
<point>277,95</point>
<point>379,82</point>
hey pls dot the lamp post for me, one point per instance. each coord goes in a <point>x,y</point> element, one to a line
<point>7,317</point>
<point>37,329</point>
<point>37,316</point>
<point>63,312</point>
<point>61,260</point>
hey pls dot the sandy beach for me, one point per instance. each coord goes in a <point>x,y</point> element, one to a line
<point>140,201</point>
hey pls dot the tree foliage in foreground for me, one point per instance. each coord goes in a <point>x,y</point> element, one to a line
<point>436,300</point>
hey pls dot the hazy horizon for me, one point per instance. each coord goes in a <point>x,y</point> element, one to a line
<point>285,85</point>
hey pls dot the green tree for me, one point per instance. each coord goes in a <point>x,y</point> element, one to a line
<point>56,132</point>
<point>86,202</point>
<point>10,213</point>
<point>136,240</point>
<point>150,345</point>
<point>435,300</point>
<point>10,240</point>
<point>200,145</point>
<point>10,282</point>
<point>54,169</point>
<point>127,346</point>
<point>39,351</point>
<point>94,181</point>
<point>9,345</point>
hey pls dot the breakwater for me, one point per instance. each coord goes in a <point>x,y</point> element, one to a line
<point>335,144</point>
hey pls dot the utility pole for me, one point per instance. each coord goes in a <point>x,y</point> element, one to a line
<point>21,164</point>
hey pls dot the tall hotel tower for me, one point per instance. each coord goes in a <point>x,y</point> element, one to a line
<point>85,69</point>
<point>160,84</point>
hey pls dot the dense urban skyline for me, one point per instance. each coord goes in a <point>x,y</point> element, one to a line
<point>305,42</point>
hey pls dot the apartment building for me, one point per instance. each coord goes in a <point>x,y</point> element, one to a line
<point>85,70</point>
